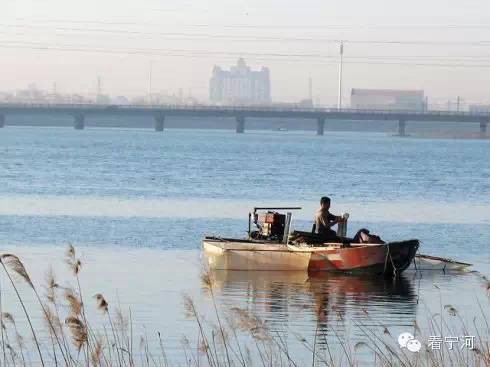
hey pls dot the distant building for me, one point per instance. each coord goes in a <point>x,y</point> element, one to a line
<point>102,99</point>
<point>304,103</point>
<point>387,99</point>
<point>120,100</point>
<point>240,85</point>
<point>479,108</point>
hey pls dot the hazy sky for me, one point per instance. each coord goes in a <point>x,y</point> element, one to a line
<point>441,46</point>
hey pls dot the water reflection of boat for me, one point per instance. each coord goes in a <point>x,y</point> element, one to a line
<point>317,294</point>
<point>272,248</point>
<point>316,282</point>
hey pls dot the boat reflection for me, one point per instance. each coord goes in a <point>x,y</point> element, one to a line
<point>297,298</point>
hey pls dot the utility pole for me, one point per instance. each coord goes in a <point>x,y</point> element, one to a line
<point>458,103</point>
<point>310,89</point>
<point>339,103</point>
<point>99,90</point>
<point>149,82</point>
<point>99,85</point>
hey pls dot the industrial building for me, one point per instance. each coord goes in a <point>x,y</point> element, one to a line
<point>240,85</point>
<point>388,99</point>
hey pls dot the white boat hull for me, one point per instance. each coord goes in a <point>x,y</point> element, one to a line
<point>256,257</point>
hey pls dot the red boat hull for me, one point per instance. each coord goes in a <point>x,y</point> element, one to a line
<point>388,259</point>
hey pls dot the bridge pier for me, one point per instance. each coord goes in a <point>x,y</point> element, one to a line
<point>159,122</point>
<point>79,121</point>
<point>401,127</point>
<point>483,129</point>
<point>2,121</point>
<point>240,124</point>
<point>320,126</point>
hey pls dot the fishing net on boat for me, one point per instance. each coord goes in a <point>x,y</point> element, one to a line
<point>309,238</point>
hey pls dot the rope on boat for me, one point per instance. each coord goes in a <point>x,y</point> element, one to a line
<point>388,254</point>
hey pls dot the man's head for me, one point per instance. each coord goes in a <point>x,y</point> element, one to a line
<point>325,202</point>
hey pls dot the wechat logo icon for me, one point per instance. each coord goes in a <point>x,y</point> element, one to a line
<point>407,340</point>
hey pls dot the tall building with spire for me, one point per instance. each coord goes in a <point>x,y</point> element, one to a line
<point>240,85</point>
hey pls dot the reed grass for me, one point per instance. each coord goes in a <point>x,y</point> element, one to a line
<point>232,337</point>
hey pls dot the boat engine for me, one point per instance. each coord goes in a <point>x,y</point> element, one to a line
<point>270,226</point>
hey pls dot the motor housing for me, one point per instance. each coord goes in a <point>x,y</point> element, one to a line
<point>271,225</point>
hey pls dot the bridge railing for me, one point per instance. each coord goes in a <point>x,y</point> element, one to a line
<point>232,108</point>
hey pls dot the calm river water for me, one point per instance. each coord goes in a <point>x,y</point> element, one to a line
<point>136,203</point>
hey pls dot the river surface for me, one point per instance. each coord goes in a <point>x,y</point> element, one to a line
<point>136,203</point>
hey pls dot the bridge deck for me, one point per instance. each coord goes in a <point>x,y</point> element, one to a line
<point>246,111</point>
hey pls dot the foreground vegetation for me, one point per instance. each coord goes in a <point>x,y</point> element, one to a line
<point>233,338</point>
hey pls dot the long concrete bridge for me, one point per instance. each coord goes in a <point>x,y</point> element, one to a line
<point>80,112</point>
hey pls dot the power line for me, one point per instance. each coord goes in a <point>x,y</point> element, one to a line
<point>459,59</point>
<point>269,26</point>
<point>454,58</point>
<point>200,36</point>
<point>323,59</point>
<point>72,47</point>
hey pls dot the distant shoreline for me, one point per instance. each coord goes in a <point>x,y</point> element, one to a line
<point>448,135</point>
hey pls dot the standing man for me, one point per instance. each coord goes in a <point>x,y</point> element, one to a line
<point>324,220</point>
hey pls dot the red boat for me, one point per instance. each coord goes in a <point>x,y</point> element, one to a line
<point>273,248</point>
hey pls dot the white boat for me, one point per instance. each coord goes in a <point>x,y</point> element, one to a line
<point>234,254</point>
<point>428,262</point>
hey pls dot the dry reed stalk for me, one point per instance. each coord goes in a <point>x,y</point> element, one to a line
<point>191,311</point>
<point>162,349</point>
<point>9,318</point>
<point>74,303</point>
<point>78,331</point>
<point>232,326</point>
<point>185,346</point>
<point>53,317</point>
<point>13,355</point>
<point>121,324</point>
<point>1,328</point>
<point>13,262</point>
<point>20,342</point>
<point>251,324</point>
<point>52,327</point>
<point>71,260</point>
<point>131,360</point>
<point>103,306</point>
<point>96,354</point>
<point>76,265</point>
<point>283,348</point>
<point>51,286</point>
<point>272,350</point>
<point>208,283</point>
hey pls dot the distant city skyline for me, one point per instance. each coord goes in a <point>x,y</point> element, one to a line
<point>440,47</point>
<point>378,100</point>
